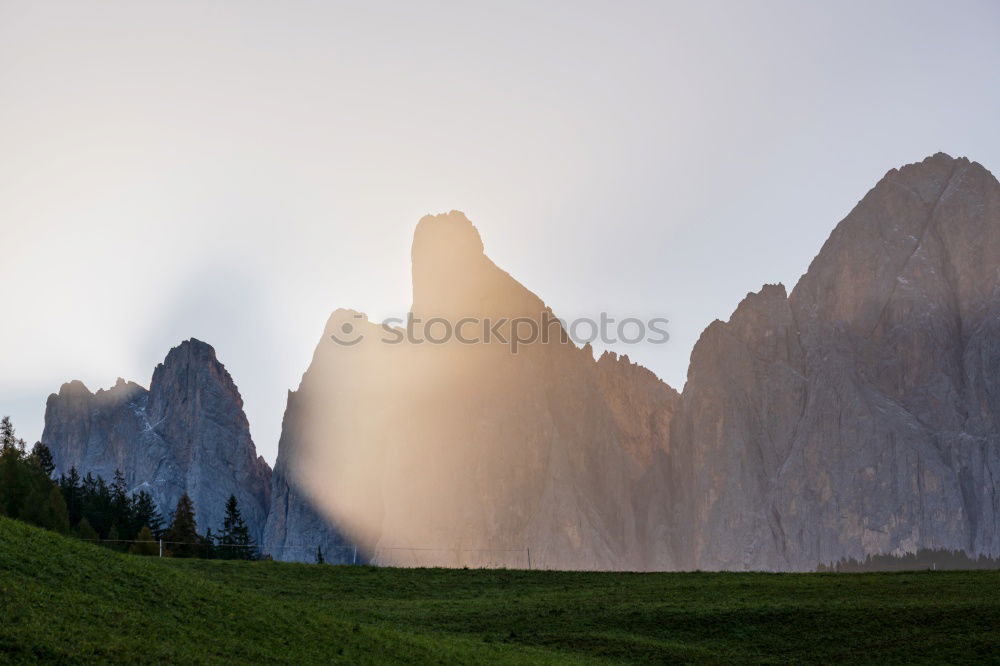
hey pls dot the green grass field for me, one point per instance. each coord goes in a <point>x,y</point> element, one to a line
<point>64,600</point>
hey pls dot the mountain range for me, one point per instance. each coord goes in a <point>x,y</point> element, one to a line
<point>857,415</point>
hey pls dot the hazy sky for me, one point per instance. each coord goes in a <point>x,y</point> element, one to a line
<point>235,171</point>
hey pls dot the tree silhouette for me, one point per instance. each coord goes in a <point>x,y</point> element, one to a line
<point>145,543</point>
<point>145,513</point>
<point>234,540</point>
<point>85,531</point>
<point>182,534</point>
<point>7,438</point>
<point>42,457</point>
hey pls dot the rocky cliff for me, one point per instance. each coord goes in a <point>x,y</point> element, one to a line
<point>858,415</point>
<point>188,432</point>
<point>471,454</point>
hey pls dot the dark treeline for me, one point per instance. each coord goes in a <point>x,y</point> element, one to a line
<point>91,509</point>
<point>922,559</point>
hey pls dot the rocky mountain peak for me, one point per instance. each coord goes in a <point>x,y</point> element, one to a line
<point>453,278</point>
<point>856,416</point>
<point>449,234</point>
<point>191,369</point>
<point>74,388</point>
<point>191,350</point>
<point>468,452</point>
<point>187,433</point>
<point>902,226</point>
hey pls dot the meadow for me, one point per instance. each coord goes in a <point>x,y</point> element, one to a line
<point>63,600</point>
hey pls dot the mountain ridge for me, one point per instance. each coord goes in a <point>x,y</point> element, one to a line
<point>186,433</point>
<point>854,415</point>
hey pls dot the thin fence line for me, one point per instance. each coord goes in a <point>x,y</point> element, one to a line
<point>454,550</point>
<point>375,557</point>
<point>350,548</point>
<point>196,543</point>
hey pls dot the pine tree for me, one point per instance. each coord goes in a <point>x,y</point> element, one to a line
<point>86,532</point>
<point>60,516</point>
<point>73,494</point>
<point>145,544</point>
<point>45,507</point>
<point>7,438</point>
<point>121,506</point>
<point>208,548</point>
<point>234,541</point>
<point>114,540</point>
<point>97,504</point>
<point>145,513</point>
<point>319,555</point>
<point>182,534</point>
<point>15,479</point>
<point>41,456</point>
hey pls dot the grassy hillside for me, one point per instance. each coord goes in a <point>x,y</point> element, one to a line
<point>65,600</point>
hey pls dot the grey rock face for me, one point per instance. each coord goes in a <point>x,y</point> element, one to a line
<point>296,527</point>
<point>188,432</point>
<point>859,415</point>
<point>468,454</point>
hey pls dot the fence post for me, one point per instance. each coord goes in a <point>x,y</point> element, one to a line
<point>354,560</point>
<point>161,547</point>
<point>529,558</point>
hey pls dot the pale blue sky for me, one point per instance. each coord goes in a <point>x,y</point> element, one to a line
<point>235,171</point>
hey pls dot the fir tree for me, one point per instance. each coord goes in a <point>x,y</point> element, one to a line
<point>145,514</point>
<point>97,504</point>
<point>41,456</point>
<point>121,506</point>
<point>16,482</point>
<point>145,544</point>
<point>45,507</point>
<point>114,538</point>
<point>60,516</point>
<point>72,492</point>
<point>182,534</point>
<point>208,548</point>
<point>86,532</point>
<point>234,541</point>
<point>7,438</point>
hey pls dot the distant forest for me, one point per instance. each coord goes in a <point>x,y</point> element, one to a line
<point>91,509</point>
<point>924,558</point>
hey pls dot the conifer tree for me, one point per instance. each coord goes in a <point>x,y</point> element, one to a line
<point>145,543</point>
<point>60,516</point>
<point>44,506</point>
<point>73,494</point>
<point>114,538</point>
<point>234,541</point>
<point>121,506</point>
<point>8,440</point>
<point>41,456</point>
<point>15,481</point>
<point>145,513</point>
<point>319,555</point>
<point>86,532</point>
<point>208,547</point>
<point>182,534</point>
<point>97,504</point>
